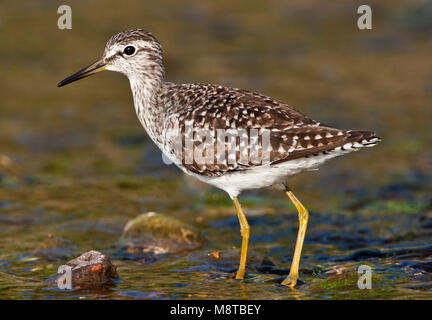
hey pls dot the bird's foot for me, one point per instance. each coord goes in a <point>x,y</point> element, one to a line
<point>240,274</point>
<point>290,281</point>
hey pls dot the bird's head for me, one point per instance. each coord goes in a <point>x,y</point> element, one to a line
<point>135,53</point>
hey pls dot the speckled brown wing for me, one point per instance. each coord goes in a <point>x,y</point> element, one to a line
<point>313,141</point>
<point>207,108</point>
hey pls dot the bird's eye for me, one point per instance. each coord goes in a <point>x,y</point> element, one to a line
<point>129,50</point>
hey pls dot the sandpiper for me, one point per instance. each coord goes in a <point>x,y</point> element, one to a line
<point>257,125</point>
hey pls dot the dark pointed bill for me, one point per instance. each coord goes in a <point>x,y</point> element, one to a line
<point>87,71</point>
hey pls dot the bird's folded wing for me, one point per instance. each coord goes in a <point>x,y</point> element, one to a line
<point>224,129</point>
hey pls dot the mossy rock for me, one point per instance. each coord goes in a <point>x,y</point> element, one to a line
<point>158,233</point>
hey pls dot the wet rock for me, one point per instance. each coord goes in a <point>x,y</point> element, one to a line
<point>151,234</point>
<point>91,270</point>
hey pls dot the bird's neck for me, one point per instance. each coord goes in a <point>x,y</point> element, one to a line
<point>146,86</point>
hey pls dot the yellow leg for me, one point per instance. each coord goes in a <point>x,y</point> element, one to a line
<point>245,232</point>
<point>303,215</point>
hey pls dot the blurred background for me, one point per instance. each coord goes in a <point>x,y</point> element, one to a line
<point>76,165</point>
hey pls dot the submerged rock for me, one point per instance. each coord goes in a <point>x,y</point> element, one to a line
<point>152,234</point>
<point>91,270</point>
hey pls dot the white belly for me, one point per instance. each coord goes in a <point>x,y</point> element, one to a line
<point>264,176</point>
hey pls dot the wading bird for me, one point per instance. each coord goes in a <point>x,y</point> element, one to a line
<point>289,141</point>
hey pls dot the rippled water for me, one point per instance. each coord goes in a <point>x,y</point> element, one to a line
<point>75,165</point>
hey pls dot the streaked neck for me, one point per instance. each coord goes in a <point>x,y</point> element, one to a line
<point>146,86</point>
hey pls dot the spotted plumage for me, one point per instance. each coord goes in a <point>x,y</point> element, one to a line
<point>213,107</point>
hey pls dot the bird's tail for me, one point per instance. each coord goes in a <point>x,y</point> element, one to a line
<point>362,138</point>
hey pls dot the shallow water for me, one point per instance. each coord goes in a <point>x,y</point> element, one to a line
<point>75,165</point>
<point>397,247</point>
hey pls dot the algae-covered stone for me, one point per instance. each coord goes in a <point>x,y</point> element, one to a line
<point>159,234</point>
